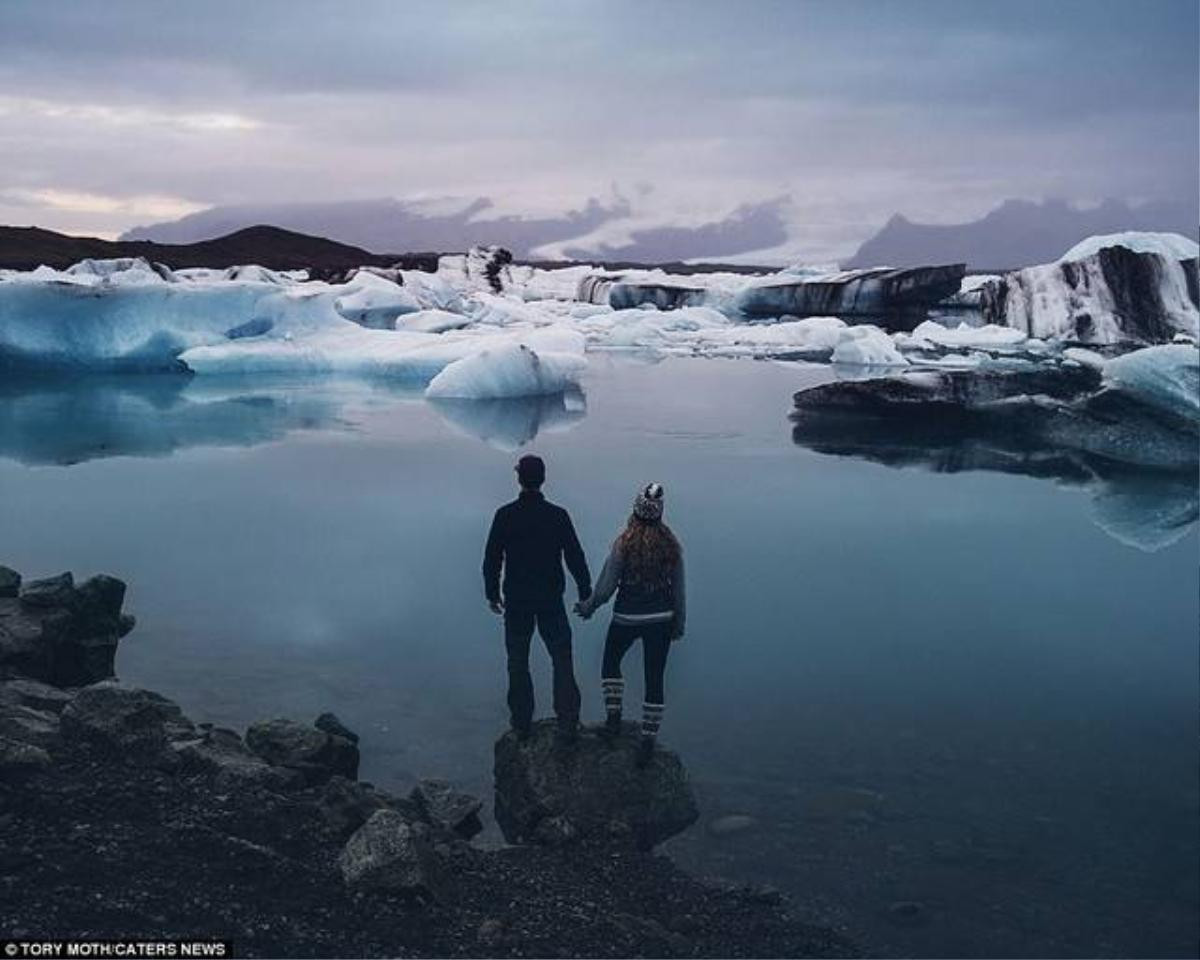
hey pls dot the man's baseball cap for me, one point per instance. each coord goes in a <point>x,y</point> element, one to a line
<point>531,470</point>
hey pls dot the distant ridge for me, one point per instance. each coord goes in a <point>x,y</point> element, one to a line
<point>1018,233</point>
<point>24,248</point>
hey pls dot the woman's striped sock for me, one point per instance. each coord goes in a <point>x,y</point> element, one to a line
<point>614,692</point>
<point>652,714</point>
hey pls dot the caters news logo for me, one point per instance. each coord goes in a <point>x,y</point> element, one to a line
<point>131,949</point>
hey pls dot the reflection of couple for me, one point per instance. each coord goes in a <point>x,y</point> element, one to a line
<point>530,538</point>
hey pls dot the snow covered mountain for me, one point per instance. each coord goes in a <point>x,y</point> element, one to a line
<point>599,229</point>
<point>1018,233</point>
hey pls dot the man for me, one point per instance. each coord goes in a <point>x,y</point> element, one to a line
<point>530,538</point>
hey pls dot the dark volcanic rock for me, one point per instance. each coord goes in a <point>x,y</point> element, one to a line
<point>136,725</point>
<point>441,804</point>
<point>10,582</point>
<point>391,854</point>
<point>50,592</point>
<point>347,804</point>
<point>595,788</point>
<point>61,634</point>
<point>315,753</point>
<point>330,723</point>
<point>39,728</point>
<point>222,754</point>
<point>35,694</point>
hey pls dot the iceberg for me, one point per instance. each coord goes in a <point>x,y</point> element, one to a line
<point>375,302</point>
<point>1166,378</point>
<point>512,370</point>
<point>508,424</point>
<point>879,291</point>
<point>868,347</point>
<point>1171,245</point>
<point>1104,292</point>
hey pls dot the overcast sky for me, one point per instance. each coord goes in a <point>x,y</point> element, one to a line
<point>118,113</point>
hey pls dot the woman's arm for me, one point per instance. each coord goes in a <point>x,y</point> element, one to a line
<point>606,586</point>
<point>679,621</point>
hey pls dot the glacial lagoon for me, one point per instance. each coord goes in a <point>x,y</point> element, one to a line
<point>951,710</point>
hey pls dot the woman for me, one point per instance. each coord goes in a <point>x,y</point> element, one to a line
<point>645,569</point>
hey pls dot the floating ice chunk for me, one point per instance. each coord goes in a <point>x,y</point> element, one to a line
<point>122,270</point>
<point>869,347</point>
<point>432,291</point>
<point>1085,357</point>
<point>990,336</point>
<point>375,302</point>
<point>1171,245</point>
<point>433,321</point>
<point>1166,377</point>
<point>512,370</point>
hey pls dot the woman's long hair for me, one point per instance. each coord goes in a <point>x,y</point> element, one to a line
<point>649,553</point>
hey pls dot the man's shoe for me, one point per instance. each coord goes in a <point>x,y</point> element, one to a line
<point>645,753</point>
<point>567,734</point>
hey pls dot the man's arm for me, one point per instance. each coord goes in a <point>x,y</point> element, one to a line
<point>493,559</point>
<point>576,561</point>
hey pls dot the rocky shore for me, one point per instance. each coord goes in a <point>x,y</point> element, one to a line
<point>122,817</point>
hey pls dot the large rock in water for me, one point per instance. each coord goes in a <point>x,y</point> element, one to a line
<point>56,632</point>
<point>1114,295</point>
<point>591,791</point>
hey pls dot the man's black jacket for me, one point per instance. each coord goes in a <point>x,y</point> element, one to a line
<point>531,537</point>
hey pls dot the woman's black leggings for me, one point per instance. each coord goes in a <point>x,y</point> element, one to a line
<point>656,643</point>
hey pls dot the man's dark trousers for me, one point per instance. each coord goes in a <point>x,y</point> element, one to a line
<point>555,630</point>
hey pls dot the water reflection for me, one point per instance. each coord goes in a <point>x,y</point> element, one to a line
<point>63,422</point>
<point>509,424</point>
<point>1144,508</point>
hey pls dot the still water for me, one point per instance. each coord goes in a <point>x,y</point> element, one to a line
<point>971,691</point>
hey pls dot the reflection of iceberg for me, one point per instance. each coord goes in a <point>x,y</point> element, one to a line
<point>509,424</point>
<point>1141,507</point>
<point>1150,511</point>
<point>65,422</point>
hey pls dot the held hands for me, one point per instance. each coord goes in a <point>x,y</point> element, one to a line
<point>497,606</point>
<point>582,610</point>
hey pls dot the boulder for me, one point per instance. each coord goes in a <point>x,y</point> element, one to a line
<point>50,592</point>
<point>444,806</point>
<point>137,725</point>
<point>316,754</point>
<point>10,582</point>
<point>592,791</point>
<point>221,754</point>
<point>390,854</point>
<point>347,804</point>
<point>58,633</point>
